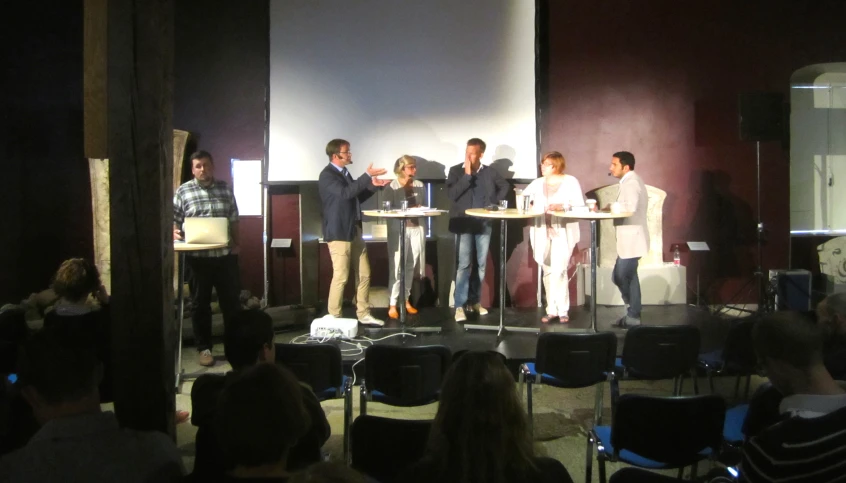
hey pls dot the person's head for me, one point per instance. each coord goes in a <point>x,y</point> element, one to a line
<point>480,425</point>
<point>202,167</point>
<point>13,332</point>
<point>553,162</point>
<point>474,152</point>
<point>339,152</point>
<point>789,348</point>
<point>260,415</point>
<point>76,279</point>
<point>831,315</point>
<point>58,378</point>
<point>405,167</point>
<point>621,163</point>
<point>249,339</point>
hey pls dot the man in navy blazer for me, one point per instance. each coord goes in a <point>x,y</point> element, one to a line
<point>341,197</point>
<point>472,185</point>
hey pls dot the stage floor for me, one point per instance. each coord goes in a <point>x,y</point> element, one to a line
<point>517,347</point>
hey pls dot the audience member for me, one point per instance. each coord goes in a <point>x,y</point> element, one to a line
<point>17,423</point>
<point>831,315</point>
<point>77,441</point>
<point>260,417</point>
<point>249,342</point>
<point>809,444</point>
<point>480,433</point>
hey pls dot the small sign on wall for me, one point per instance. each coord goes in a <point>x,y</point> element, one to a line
<point>246,184</point>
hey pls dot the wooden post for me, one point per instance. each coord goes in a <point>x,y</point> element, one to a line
<point>138,49</point>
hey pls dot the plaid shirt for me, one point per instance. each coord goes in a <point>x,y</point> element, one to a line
<point>193,200</point>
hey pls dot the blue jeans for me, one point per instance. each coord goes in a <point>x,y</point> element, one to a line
<point>468,289</point>
<point>625,278</point>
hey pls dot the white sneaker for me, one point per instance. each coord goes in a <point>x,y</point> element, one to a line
<point>370,320</point>
<point>459,315</point>
<point>479,309</point>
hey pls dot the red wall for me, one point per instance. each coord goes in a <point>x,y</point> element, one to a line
<point>661,79</point>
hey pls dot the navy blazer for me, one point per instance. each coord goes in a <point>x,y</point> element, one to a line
<point>342,202</point>
<point>459,187</point>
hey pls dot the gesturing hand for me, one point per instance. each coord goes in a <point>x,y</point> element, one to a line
<point>373,172</point>
<point>379,182</point>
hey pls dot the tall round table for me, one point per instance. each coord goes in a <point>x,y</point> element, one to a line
<point>182,248</point>
<point>403,217</point>
<point>503,216</point>
<point>593,217</point>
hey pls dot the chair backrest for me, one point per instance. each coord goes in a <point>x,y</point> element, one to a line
<point>318,365</point>
<point>383,448</point>
<point>738,352</point>
<point>577,360</point>
<point>673,430</point>
<point>660,352</point>
<point>406,376</point>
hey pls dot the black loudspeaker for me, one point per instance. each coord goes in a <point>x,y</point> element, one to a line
<point>761,116</point>
<point>792,289</point>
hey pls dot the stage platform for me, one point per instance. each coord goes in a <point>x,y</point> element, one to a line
<point>517,347</point>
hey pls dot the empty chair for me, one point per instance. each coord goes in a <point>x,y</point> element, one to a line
<point>658,352</point>
<point>319,366</point>
<point>403,376</point>
<point>736,357</point>
<point>382,448</point>
<point>659,432</point>
<point>571,361</point>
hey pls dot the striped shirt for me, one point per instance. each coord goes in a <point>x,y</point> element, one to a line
<point>799,450</point>
<point>217,201</point>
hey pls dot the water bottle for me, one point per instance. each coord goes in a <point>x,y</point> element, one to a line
<point>676,256</point>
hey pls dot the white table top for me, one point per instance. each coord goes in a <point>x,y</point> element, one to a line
<point>410,213</point>
<point>508,214</point>
<point>592,215</point>
<point>179,246</point>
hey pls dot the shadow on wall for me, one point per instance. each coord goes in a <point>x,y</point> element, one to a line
<point>503,160</point>
<point>727,224</point>
<point>429,170</point>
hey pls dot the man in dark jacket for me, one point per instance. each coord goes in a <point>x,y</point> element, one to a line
<point>342,196</point>
<point>472,185</point>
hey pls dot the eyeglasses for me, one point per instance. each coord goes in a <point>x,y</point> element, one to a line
<point>344,152</point>
<point>546,165</point>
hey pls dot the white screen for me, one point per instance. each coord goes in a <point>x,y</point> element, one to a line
<point>394,78</point>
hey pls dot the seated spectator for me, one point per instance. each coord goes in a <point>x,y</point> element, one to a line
<point>481,433</point>
<point>77,319</point>
<point>831,315</point>
<point>809,445</point>
<point>77,441</point>
<point>260,417</point>
<point>249,342</point>
<point>17,424</point>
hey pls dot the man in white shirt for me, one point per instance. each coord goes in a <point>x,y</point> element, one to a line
<point>632,234</point>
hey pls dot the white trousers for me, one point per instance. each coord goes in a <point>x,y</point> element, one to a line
<point>414,237</point>
<point>556,283</point>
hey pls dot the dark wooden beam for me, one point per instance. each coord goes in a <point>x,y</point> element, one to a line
<point>140,145</point>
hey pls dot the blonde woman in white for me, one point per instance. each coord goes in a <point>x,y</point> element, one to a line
<point>405,188</point>
<point>553,239</point>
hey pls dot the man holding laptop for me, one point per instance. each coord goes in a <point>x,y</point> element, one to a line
<point>207,206</point>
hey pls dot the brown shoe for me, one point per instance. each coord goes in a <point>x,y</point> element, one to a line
<point>392,312</point>
<point>205,358</point>
<point>410,309</point>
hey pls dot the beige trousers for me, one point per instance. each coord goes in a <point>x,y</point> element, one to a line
<point>343,254</point>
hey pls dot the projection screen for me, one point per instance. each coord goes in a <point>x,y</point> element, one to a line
<point>394,78</point>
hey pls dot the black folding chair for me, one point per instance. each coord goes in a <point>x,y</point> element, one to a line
<point>659,433</point>
<point>383,448</point>
<point>736,357</point>
<point>571,361</point>
<point>403,376</point>
<point>658,352</point>
<point>319,366</point>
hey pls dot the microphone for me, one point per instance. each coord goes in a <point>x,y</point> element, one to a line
<point>609,174</point>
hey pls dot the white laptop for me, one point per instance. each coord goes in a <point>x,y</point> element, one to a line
<point>206,230</point>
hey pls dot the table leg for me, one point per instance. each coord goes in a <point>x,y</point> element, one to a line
<point>401,299</point>
<point>593,275</point>
<point>180,316</point>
